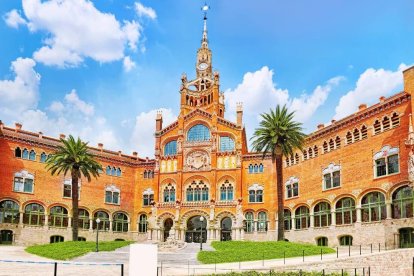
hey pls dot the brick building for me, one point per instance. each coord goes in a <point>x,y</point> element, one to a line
<point>351,183</point>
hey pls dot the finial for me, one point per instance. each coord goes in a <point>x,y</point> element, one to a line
<point>205,8</point>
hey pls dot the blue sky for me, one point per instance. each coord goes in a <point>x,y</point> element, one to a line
<point>101,69</point>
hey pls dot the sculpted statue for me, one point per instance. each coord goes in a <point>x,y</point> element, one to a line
<point>239,216</point>
<point>411,166</point>
<point>152,221</point>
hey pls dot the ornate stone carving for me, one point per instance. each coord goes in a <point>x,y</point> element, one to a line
<point>239,216</point>
<point>310,201</point>
<point>197,161</point>
<point>411,166</point>
<point>356,192</point>
<point>385,186</point>
<point>331,197</point>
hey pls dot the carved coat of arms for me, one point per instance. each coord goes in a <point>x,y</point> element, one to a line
<point>197,160</point>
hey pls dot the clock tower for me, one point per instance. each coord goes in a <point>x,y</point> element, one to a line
<point>203,66</point>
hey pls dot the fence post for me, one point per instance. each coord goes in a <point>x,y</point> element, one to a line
<point>323,272</point>
<point>303,255</point>
<point>385,245</point>
<point>342,272</point>
<point>263,259</point>
<point>55,269</point>
<point>363,271</point>
<point>300,272</point>
<point>122,270</point>
<point>349,250</point>
<point>161,268</point>
<point>355,272</point>
<point>413,266</point>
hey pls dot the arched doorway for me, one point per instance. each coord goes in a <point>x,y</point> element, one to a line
<point>226,229</point>
<point>196,230</point>
<point>406,237</point>
<point>168,223</point>
<point>6,237</point>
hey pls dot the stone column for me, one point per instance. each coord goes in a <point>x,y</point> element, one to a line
<point>182,235</point>
<point>255,227</point>
<point>110,225</point>
<point>158,234</point>
<point>90,224</point>
<point>333,217</point>
<point>242,234</point>
<point>46,219</point>
<point>389,209</point>
<point>312,220</point>
<point>70,222</point>
<point>358,213</point>
<point>293,222</point>
<point>21,214</point>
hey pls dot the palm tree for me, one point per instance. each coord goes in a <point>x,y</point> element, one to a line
<point>72,156</point>
<point>278,135</point>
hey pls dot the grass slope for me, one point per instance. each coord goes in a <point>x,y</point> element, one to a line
<point>72,249</point>
<point>235,251</point>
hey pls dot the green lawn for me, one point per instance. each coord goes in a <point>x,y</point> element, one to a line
<point>71,249</point>
<point>235,251</point>
<point>272,273</point>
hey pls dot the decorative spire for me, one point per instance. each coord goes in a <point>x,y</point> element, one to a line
<point>204,41</point>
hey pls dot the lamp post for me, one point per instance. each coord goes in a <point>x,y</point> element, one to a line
<point>201,233</point>
<point>97,232</point>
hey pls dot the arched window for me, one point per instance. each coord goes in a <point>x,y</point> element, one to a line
<point>226,143</point>
<point>169,193</point>
<point>23,182</point>
<point>262,222</point>
<point>104,220</point>
<point>56,238</point>
<point>256,193</point>
<point>256,168</point>
<point>345,240</point>
<point>261,168</point>
<point>322,241</point>
<point>25,154</point>
<point>387,161</point>
<point>142,225</point>
<point>386,123</point>
<point>118,172</point>
<point>395,120</point>
<point>198,133</point>
<point>325,147</point>
<point>302,217</point>
<point>310,151</point>
<point>305,155</point>
<point>287,162</point>
<point>250,168</point>
<point>338,142</point>
<point>120,222</point>
<point>34,214</point>
<point>204,193</point>
<point>58,217</point>
<point>108,170</point>
<point>148,197</point>
<point>197,192</point>
<point>315,151</point>
<point>9,212</point>
<point>18,153</point>
<point>364,132</point>
<point>349,138</point>
<point>83,219</point>
<point>345,211</point>
<point>292,187</point>
<point>32,155</point>
<point>112,195</point>
<point>67,188</point>
<point>170,148</point>
<point>287,217</point>
<point>322,214</point>
<point>331,176</point>
<point>403,202</point>
<point>356,135</point>
<point>226,191</point>
<point>113,171</point>
<point>377,127</point>
<point>331,145</point>
<point>296,158</point>
<point>249,222</point>
<point>43,157</point>
<point>145,174</point>
<point>373,207</point>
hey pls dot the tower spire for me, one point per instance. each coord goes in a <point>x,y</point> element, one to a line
<point>204,41</point>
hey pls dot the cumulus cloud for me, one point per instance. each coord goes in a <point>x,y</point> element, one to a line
<point>76,30</point>
<point>259,93</point>
<point>22,92</point>
<point>13,19</point>
<point>142,11</point>
<point>143,134</point>
<point>73,100</point>
<point>371,85</point>
<point>128,64</point>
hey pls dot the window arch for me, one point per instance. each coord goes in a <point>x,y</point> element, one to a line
<point>386,124</point>
<point>108,170</point>
<point>104,220</point>
<point>142,225</point>
<point>198,133</point>
<point>373,207</point>
<point>43,157</point>
<point>287,217</point>
<point>251,168</point>
<point>226,191</point>
<point>83,219</point>
<point>118,172</point>
<point>356,135</point>
<point>377,127</point>
<point>249,222</point>
<point>256,193</point>
<point>112,195</point>
<point>403,202</point>
<point>322,214</point>
<point>331,145</point>
<point>18,153</point>
<point>120,222</point>
<point>113,171</point>
<point>331,176</point>
<point>261,168</point>
<point>322,241</point>
<point>345,211</point>
<point>364,132</point>
<point>148,197</point>
<point>338,142</point>
<point>325,147</point>
<point>32,155</point>
<point>197,191</point>
<point>226,143</point>
<point>34,214</point>
<point>169,193</point>
<point>170,148</point>
<point>262,222</point>
<point>302,219</point>
<point>25,154</point>
<point>346,240</point>
<point>292,187</point>
<point>387,161</point>
<point>349,138</point>
<point>9,212</point>
<point>58,217</point>
<point>395,120</point>
<point>23,182</point>
<point>315,151</point>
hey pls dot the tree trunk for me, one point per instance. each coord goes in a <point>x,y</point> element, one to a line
<point>75,204</point>
<point>280,198</point>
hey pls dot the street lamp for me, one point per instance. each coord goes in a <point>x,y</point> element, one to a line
<point>201,233</point>
<point>97,232</point>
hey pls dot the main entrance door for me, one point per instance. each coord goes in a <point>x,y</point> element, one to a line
<point>196,230</point>
<point>226,229</point>
<point>168,223</point>
<point>406,237</point>
<point>6,237</point>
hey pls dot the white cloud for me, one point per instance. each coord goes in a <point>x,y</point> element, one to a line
<point>371,85</point>
<point>143,134</point>
<point>128,64</point>
<point>21,93</point>
<point>56,107</point>
<point>73,100</point>
<point>259,93</point>
<point>13,19</point>
<point>141,11</point>
<point>76,30</point>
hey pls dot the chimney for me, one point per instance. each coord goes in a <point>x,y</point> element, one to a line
<point>321,126</point>
<point>135,154</point>
<point>100,146</point>
<point>62,136</point>
<point>1,124</point>
<point>119,153</point>
<point>408,75</point>
<point>146,159</point>
<point>18,126</point>
<point>40,134</point>
<point>382,99</point>
<point>363,106</point>
<point>158,121</point>
<point>333,121</point>
<point>239,112</point>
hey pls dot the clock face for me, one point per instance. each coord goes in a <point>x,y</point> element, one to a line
<point>203,66</point>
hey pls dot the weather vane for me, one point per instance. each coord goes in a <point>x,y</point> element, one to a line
<point>205,8</point>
